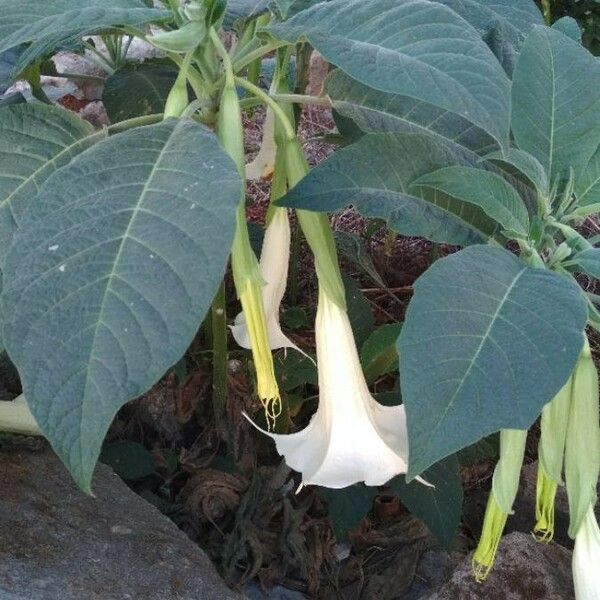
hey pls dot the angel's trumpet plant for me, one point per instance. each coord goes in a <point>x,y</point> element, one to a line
<point>505,484</point>
<point>351,437</point>
<point>586,559</point>
<point>244,265</point>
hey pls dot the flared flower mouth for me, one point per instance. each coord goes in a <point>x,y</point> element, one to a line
<point>351,438</point>
<point>586,559</point>
<point>274,260</point>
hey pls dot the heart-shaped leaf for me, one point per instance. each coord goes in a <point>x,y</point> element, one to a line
<point>416,48</point>
<point>35,141</point>
<point>111,273</point>
<point>374,176</point>
<point>486,342</point>
<point>556,102</point>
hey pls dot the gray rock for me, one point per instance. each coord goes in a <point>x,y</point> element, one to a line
<point>524,570</point>
<point>56,543</point>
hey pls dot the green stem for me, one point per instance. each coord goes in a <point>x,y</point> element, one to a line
<point>279,112</point>
<point>219,344</point>
<point>250,57</point>
<point>302,99</point>
<point>135,122</point>
<point>547,10</point>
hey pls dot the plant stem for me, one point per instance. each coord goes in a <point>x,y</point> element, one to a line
<point>135,122</point>
<point>219,344</point>
<point>547,10</point>
<point>250,57</point>
<point>302,99</point>
<point>279,112</point>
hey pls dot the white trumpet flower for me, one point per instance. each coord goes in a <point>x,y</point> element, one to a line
<point>586,559</point>
<point>351,437</point>
<point>274,260</point>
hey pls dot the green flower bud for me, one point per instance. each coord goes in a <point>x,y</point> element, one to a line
<point>582,449</point>
<point>185,39</point>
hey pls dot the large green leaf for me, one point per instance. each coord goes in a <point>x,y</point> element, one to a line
<point>111,273</point>
<point>503,24</point>
<point>375,111</point>
<point>497,198</point>
<point>587,185</point>
<point>348,506</point>
<point>486,342</point>
<point>288,8</point>
<point>35,141</point>
<point>375,174</point>
<point>32,20</point>
<point>138,89</point>
<point>524,163</point>
<point>556,102</point>
<point>439,507</point>
<point>416,48</point>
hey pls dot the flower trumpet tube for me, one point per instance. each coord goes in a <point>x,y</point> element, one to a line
<point>264,163</point>
<point>505,484</point>
<point>555,416</point>
<point>15,417</point>
<point>351,438</point>
<point>582,448</point>
<point>274,261</point>
<point>586,559</point>
<point>246,273</point>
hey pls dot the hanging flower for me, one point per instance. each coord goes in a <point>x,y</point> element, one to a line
<point>351,438</point>
<point>15,417</point>
<point>586,559</point>
<point>274,261</point>
<point>264,163</point>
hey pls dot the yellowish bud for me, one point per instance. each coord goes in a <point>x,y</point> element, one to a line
<point>544,506</point>
<point>491,534</point>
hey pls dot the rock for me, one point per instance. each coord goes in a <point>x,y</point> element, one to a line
<point>95,113</point>
<point>92,76</point>
<point>524,570</point>
<point>58,543</point>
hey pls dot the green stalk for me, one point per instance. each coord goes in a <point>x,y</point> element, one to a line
<point>219,345</point>
<point>244,264</point>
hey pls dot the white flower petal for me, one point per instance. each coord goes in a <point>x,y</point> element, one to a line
<point>586,559</point>
<point>274,261</point>
<point>351,438</point>
<point>263,164</point>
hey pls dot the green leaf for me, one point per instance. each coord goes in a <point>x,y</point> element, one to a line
<point>288,8</point>
<point>35,141</point>
<point>556,102</point>
<point>129,460</point>
<point>114,268</point>
<point>588,261</point>
<point>348,506</point>
<point>587,186</point>
<point>503,24</point>
<point>375,111</point>
<point>240,10</point>
<point>294,369</point>
<point>352,247</point>
<point>378,354</point>
<point>359,311</point>
<point>486,342</point>
<point>138,89</point>
<point>42,21</point>
<point>416,48</point>
<point>294,318</point>
<point>438,507</point>
<point>570,27</point>
<point>374,176</point>
<point>525,163</point>
<point>8,61</point>
<point>497,198</point>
